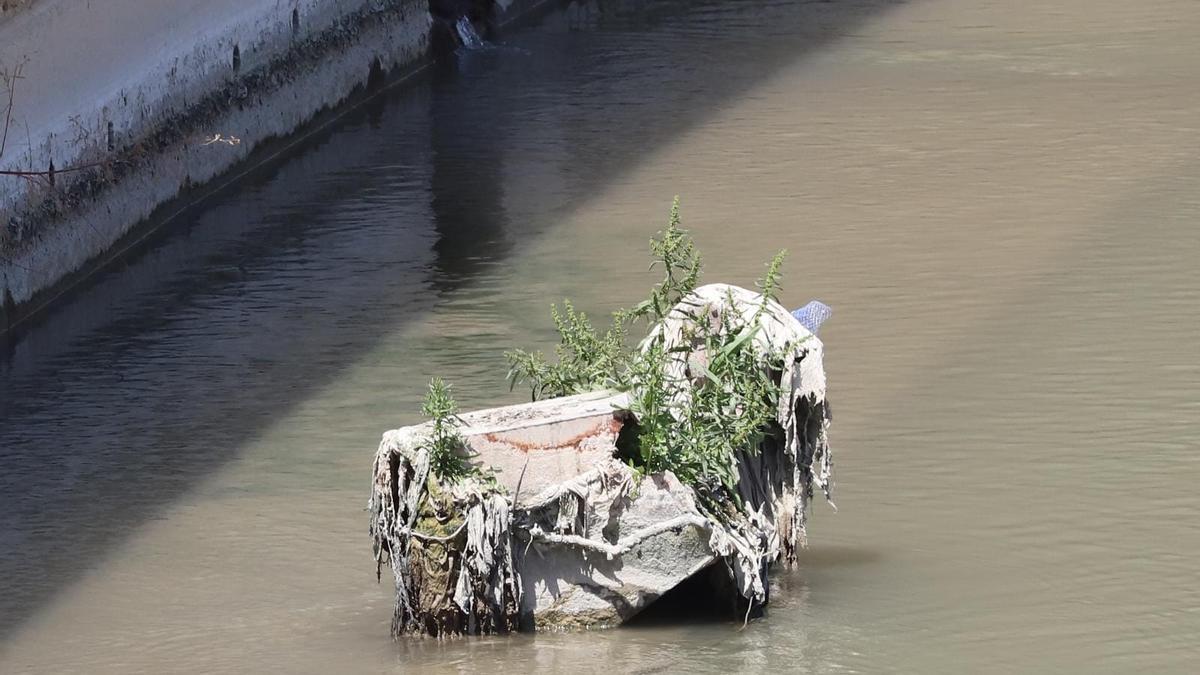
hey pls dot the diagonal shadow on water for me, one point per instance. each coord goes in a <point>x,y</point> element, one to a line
<point>156,374</point>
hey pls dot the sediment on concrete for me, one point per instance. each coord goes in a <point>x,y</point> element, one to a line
<point>206,91</point>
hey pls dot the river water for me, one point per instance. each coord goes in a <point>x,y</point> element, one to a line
<point>1000,203</point>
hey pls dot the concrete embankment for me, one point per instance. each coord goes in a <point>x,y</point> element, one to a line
<point>117,107</point>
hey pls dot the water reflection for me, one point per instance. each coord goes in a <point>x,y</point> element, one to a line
<point>160,371</point>
<point>1000,205</point>
<point>250,304</point>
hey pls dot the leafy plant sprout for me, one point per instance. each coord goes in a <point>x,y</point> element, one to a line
<point>445,442</point>
<point>694,425</point>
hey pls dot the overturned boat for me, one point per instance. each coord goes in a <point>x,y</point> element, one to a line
<point>556,518</point>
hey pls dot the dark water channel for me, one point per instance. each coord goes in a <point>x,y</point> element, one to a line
<point>1000,205</point>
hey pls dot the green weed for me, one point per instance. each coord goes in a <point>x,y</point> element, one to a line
<point>445,442</point>
<point>692,424</point>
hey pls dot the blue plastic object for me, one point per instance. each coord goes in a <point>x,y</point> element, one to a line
<point>812,315</point>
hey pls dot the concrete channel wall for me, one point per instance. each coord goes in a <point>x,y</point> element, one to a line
<point>154,98</point>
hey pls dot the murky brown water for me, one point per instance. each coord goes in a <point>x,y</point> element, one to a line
<point>1000,203</point>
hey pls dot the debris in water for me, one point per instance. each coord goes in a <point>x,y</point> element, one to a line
<point>812,315</point>
<point>581,510</point>
<point>467,34</point>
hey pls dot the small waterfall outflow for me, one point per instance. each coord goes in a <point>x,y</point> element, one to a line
<point>467,35</point>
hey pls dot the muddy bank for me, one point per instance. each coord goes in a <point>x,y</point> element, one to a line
<point>153,102</point>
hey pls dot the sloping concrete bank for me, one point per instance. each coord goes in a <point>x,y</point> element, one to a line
<point>120,105</point>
